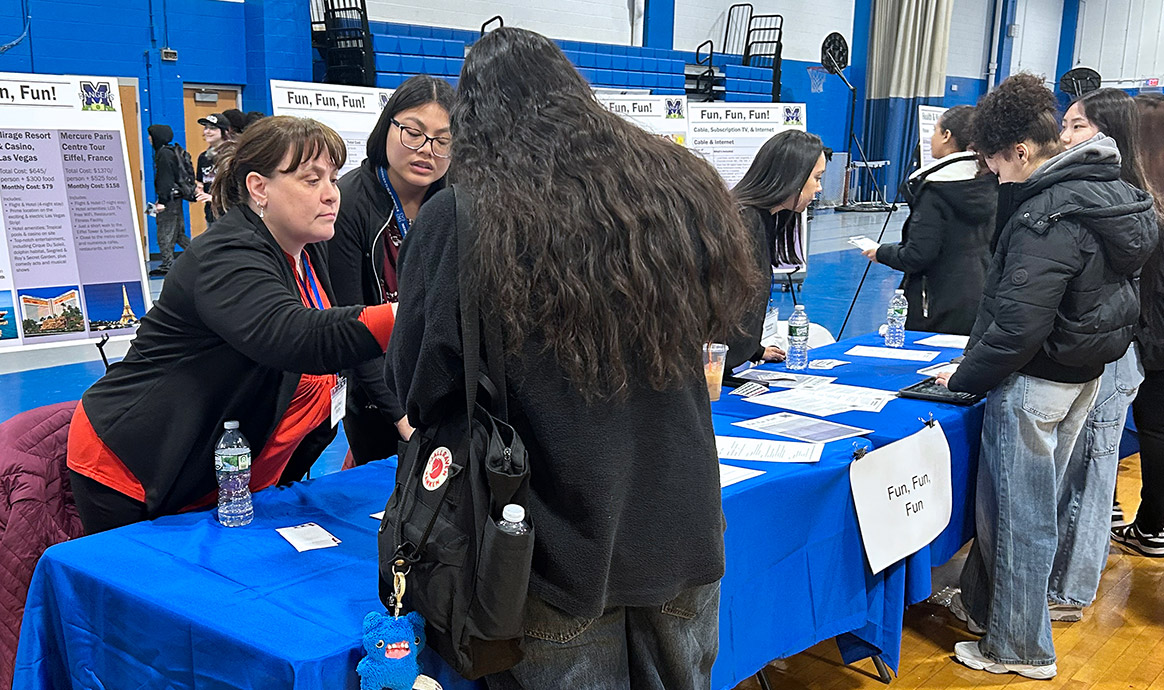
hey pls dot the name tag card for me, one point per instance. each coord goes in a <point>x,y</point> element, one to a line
<point>902,494</point>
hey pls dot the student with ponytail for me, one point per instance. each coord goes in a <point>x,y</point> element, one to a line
<point>945,243</point>
<point>243,330</point>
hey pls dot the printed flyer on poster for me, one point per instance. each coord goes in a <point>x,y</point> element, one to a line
<point>927,119</point>
<point>71,265</point>
<point>728,135</point>
<point>350,110</point>
<point>662,115</point>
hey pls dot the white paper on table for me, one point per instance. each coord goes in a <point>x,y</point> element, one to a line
<point>945,367</point>
<point>801,428</point>
<point>378,516</point>
<point>730,474</point>
<point>762,450</point>
<point>784,379</point>
<point>749,389</point>
<point>771,333</point>
<point>902,495</point>
<point>307,537</point>
<point>863,243</point>
<point>945,340</point>
<point>825,401</point>
<point>826,363</point>
<point>893,353</point>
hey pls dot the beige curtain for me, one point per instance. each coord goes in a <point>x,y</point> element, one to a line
<point>907,54</point>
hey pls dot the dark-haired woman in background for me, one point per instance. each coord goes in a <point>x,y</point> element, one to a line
<point>1058,304</point>
<point>243,330</point>
<point>1086,509</point>
<point>408,156</point>
<point>784,177</point>
<point>1145,534</point>
<point>945,242</point>
<point>607,256</point>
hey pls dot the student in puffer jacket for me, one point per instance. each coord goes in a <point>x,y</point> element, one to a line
<point>1059,303</point>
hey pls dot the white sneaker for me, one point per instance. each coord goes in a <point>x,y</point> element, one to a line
<point>963,614</point>
<point>967,653</point>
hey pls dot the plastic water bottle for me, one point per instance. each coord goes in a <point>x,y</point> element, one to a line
<point>798,339</point>
<point>513,520</point>
<point>895,320</point>
<point>232,466</point>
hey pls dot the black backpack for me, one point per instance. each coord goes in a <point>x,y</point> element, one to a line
<point>185,184</point>
<point>461,572</point>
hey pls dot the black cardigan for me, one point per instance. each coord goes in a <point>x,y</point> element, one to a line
<point>625,494</point>
<point>228,338</point>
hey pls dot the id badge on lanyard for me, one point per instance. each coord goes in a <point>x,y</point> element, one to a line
<point>339,392</point>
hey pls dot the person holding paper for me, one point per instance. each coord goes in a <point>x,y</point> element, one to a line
<point>1086,500</point>
<point>606,256</point>
<point>782,181</point>
<point>1058,304</point>
<point>408,157</point>
<point>945,242</point>
<point>243,330</point>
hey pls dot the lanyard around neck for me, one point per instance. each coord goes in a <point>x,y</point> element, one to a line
<point>402,222</point>
<point>310,281</point>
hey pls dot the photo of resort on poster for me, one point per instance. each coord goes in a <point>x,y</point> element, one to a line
<point>114,306</point>
<point>7,317</point>
<point>51,311</point>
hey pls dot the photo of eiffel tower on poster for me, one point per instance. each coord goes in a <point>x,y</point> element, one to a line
<point>114,306</point>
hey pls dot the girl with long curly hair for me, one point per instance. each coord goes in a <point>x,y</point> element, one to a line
<point>605,256</point>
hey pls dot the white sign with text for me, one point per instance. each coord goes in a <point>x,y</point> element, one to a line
<point>350,110</point>
<point>902,494</point>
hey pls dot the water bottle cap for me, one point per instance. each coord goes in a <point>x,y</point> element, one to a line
<point>230,424</point>
<point>899,292</point>
<point>799,307</point>
<point>513,513</point>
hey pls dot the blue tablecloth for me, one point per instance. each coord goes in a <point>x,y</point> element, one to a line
<point>181,602</point>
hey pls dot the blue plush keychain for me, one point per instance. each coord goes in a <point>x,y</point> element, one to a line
<point>393,644</point>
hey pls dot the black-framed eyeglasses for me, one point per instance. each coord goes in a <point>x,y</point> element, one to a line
<point>415,139</point>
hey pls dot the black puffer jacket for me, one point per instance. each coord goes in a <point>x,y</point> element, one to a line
<point>1061,297</point>
<point>945,244</point>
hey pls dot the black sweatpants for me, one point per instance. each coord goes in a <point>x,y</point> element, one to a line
<point>1148,411</point>
<point>102,508</point>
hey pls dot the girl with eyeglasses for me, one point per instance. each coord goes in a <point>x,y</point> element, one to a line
<point>408,156</point>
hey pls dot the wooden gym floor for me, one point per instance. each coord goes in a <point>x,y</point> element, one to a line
<point>1118,645</point>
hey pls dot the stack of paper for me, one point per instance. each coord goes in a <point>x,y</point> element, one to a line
<point>945,340</point>
<point>823,401</point>
<point>801,428</point>
<point>730,474</point>
<point>893,353</point>
<point>760,450</point>
<point>785,379</point>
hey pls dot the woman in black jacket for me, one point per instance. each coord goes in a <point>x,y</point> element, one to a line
<point>1059,303</point>
<point>945,242</point>
<point>784,177</point>
<point>242,331</point>
<point>408,156</point>
<point>1145,534</point>
<point>605,256</point>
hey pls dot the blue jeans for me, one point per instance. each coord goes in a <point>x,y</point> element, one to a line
<point>668,647</point>
<point>1028,438</point>
<point>1086,491</point>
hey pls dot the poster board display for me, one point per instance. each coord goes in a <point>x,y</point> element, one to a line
<point>350,110</point>
<point>71,263</point>
<point>662,115</point>
<point>927,119</point>
<point>728,135</point>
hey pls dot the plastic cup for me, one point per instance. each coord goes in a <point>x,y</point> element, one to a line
<point>714,357</point>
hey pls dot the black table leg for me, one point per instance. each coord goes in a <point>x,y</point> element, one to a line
<point>763,680</point>
<point>882,670</point>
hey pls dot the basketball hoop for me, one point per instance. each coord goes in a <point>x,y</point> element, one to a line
<point>817,75</point>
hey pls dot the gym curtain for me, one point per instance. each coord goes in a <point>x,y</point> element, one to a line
<point>907,68</point>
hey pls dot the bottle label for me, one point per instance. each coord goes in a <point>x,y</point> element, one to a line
<point>229,463</point>
<point>797,331</point>
<point>899,311</point>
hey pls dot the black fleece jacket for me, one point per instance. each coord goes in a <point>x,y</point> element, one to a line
<point>228,338</point>
<point>165,163</point>
<point>625,493</point>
